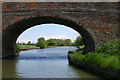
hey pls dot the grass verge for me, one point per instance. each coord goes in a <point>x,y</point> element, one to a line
<point>106,58</point>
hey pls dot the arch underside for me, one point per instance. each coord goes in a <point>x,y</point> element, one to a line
<point>11,33</point>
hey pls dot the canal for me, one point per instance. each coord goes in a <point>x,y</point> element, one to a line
<point>43,63</point>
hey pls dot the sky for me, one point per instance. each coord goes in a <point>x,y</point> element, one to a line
<point>48,31</point>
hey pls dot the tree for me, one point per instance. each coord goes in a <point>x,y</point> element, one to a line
<point>41,43</point>
<point>51,42</point>
<point>29,42</point>
<point>23,43</point>
<point>68,42</point>
<point>41,39</point>
<point>79,41</point>
<point>59,42</point>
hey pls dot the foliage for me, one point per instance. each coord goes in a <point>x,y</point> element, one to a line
<point>51,42</point>
<point>27,46</point>
<point>73,44</point>
<point>17,50</point>
<point>41,43</point>
<point>60,42</point>
<point>97,60</point>
<point>76,56</point>
<point>79,41</point>
<point>105,57</point>
<point>81,48</point>
<point>68,42</point>
<point>110,47</point>
<point>29,42</point>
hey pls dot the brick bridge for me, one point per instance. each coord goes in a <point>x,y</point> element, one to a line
<point>96,22</point>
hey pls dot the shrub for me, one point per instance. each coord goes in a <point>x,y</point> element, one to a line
<point>80,49</point>
<point>17,50</point>
<point>110,47</point>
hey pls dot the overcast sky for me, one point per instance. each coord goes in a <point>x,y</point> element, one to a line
<point>54,31</point>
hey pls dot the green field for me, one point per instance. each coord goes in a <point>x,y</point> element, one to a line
<point>27,46</point>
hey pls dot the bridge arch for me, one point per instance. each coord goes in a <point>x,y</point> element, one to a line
<point>12,32</point>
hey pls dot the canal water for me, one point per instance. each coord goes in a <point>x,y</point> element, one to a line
<point>43,63</point>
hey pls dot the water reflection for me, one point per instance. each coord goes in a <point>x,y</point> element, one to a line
<point>43,63</point>
<point>9,68</point>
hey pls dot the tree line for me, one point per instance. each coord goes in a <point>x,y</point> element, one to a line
<point>42,43</point>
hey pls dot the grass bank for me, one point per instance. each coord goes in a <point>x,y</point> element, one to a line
<point>27,46</point>
<point>22,47</point>
<point>105,61</point>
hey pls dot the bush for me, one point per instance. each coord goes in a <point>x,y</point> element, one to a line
<point>17,50</point>
<point>80,49</point>
<point>111,47</point>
